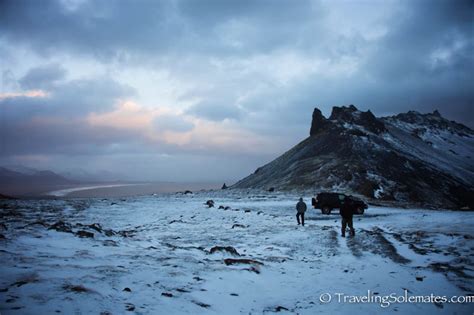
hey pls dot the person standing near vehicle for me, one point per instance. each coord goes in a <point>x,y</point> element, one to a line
<point>300,210</point>
<point>346,212</point>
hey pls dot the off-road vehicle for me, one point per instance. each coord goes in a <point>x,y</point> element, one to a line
<point>329,201</point>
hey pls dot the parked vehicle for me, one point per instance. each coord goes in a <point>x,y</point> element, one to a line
<point>329,201</point>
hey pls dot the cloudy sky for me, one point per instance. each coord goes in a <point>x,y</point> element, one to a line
<point>193,90</point>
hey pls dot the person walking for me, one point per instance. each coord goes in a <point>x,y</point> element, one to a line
<point>346,212</point>
<point>300,210</point>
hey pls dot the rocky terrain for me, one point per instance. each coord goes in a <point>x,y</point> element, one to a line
<point>411,158</point>
<point>241,253</point>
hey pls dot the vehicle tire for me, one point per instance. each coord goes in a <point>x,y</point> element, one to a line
<point>360,210</point>
<point>325,210</point>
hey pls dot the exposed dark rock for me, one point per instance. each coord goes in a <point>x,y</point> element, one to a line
<point>221,207</point>
<point>238,226</point>
<point>188,192</point>
<point>96,226</point>
<point>110,243</point>
<point>280,308</point>
<point>129,307</point>
<point>167,294</point>
<point>61,226</point>
<point>127,290</point>
<point>204,305</point>
<point>234,261</point>
<point>210,203</point>
<point>182,290</point>
<point>319,123</point>
<point>76,288</point>
<point>253,269</point>
<point>224,186</point>
<point>271,189</point>
<point>229,249</point>
<point>84,234</point>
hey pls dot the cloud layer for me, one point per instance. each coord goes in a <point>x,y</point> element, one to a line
<point>173,84</point>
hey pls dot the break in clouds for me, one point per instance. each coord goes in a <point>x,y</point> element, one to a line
<point>193,90</point>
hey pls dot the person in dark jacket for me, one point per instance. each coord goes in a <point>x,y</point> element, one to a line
<point>346,212</point>
<point>300,210</point>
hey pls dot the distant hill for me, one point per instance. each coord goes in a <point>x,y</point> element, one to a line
<point>418,158</point>
<point>33,182</point>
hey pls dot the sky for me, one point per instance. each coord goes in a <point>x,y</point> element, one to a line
<point>209,90</point>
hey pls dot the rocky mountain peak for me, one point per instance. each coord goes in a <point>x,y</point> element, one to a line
<point>432,120</point>
<point>346,117</point>
<point>318,123</point>
<point>416,158</point>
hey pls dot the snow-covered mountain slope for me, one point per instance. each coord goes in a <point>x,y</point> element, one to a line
<point>412,157</point>
<point>158,255</point>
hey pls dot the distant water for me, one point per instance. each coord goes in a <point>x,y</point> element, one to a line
<point>66,192</point>
<point>135,189</point>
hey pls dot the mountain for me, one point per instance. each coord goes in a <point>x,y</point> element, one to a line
<point>414,158</point>
<point>18,183</point>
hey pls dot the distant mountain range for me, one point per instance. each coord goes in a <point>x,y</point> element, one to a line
<point>30,181</point>
<point>415,158</point>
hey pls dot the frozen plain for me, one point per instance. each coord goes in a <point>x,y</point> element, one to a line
<point>152,255</point>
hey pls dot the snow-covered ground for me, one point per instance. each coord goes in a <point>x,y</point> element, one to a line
<point>152,255</point>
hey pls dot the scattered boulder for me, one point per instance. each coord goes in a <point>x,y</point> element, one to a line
<point>221,207</point>
<point>271,189</point>
<point>229,249</point>
<point>247,210</point>
<point>239,226</point>
<point>227,208</point>
<point>167,294</point>
<point>129,307</point>
<point>210,203</point>
<point>127,290</point>
<point>188,192</point>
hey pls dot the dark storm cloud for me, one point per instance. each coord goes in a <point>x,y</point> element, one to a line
<point>42,77</point>
<point>118,27</point>
<point>259,65</point>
